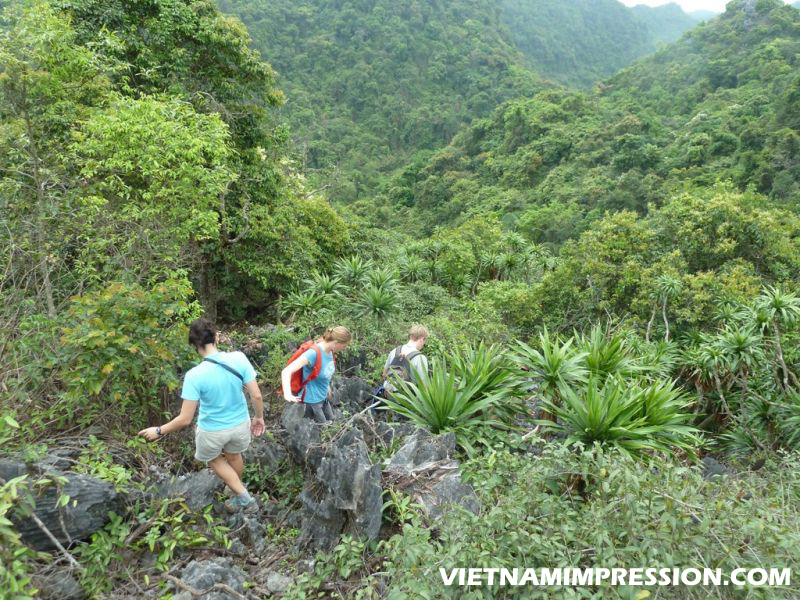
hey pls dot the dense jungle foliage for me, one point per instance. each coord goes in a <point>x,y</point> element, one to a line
<point>718,105</point>
<point>609,276</point>
<point>373,83</point>
<point>579,43</point>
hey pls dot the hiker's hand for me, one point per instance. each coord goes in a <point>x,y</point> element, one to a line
<point>257,427</point>
<point>149,434</point>
<point>292,399</point>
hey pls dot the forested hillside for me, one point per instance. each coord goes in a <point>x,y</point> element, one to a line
<point>721,104</point>
<point>580,42</point>
<point>371,83</point>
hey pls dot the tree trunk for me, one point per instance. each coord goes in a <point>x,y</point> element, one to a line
<point>650,323</point>
<point>208,291</point>
<point>666,322</point>
<point>40,235</point>
<point>779,351</point>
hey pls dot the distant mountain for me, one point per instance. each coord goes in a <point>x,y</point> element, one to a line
<point>582,41</point>
<point>665,23</point>
<point>723,103</point>
<point>369,83</point>
<point>703,15</point>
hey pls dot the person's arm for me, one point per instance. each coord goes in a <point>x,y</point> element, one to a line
<point>389,360</point>
<point>286,377</point>
<point>183,420</point>
<point>258,425</point>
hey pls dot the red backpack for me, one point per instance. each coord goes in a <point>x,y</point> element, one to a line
<point>298,384</point>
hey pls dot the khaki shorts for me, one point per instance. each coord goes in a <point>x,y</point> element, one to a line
<point>210,444</point>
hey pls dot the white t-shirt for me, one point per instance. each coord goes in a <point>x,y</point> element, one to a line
<point>419,363</point>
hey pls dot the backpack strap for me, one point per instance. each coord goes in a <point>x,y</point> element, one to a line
<point>226,367</point>
<point>412,355</point>
<point>314,371</point>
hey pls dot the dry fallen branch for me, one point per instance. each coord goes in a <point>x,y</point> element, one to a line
<point>56,543</point>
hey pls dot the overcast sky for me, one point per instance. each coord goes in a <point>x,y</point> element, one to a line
<point>687,5</point>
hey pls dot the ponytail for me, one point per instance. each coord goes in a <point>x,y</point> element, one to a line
<point>337,334</point>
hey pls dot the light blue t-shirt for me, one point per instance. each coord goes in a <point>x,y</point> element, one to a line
<point>317,389</point>
<point>219,392</point>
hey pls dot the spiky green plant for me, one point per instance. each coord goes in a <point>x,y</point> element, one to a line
<point>606,354</point>
<point>441,403</point>
<point>411,268</point>
<point>660,359</point>
<point>489,371</point>
<point>622,414</point>
<point>352,270</point>
<point>323,284</point>
<point>556,365</point>
<point>383,278</point>
<point>780,309</point>
<point>378,302</point>
<point>741,347</point>
<point>301,304</point>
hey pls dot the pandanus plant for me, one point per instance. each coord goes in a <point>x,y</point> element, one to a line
<point>352,270</point>
<point>473,392</point>
<point>780,309</point>
<point>556,366</point>
<point>619,413</point>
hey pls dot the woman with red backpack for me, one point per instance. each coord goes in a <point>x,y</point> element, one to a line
<point>310,371</point>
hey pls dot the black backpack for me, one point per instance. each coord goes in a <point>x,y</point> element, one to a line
<point>401,364</point>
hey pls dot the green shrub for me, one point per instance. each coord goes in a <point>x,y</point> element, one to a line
<point>599,507</point>
<point>15,556</point>
<point>120,348</point>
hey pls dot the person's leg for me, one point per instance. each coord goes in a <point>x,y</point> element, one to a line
<point>314,411</point>
<point>236,461</point>
<point>327,411</point>
<point>228,474</point>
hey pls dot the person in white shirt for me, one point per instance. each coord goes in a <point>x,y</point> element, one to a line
<point>407,361</point>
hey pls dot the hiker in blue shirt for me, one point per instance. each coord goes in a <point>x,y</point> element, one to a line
<point>317,391</point>
<point>223,425</point>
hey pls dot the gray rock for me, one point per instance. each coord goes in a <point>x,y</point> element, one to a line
<point>59,585</point>
<point>421,448</point>
<point>10,468</point>
<point>277,583</point>
<point>302,435</point>
<point>203,574</point>
<point>385,434</point>
<point>446,493</point>
<point>90,502</point>
<point>197,489</point>
<point>306,565</point>
<point>238,548</point>
<point>59,459</point>
<point>352,393</point>
<point>321,522</point>
<point>713,468</point>
<point>266,452</point>
<point>251,531</point>
<point>423,468</point>
<point>343,495</point>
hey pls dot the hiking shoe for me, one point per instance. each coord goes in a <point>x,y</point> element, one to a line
<point>235,505</point>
